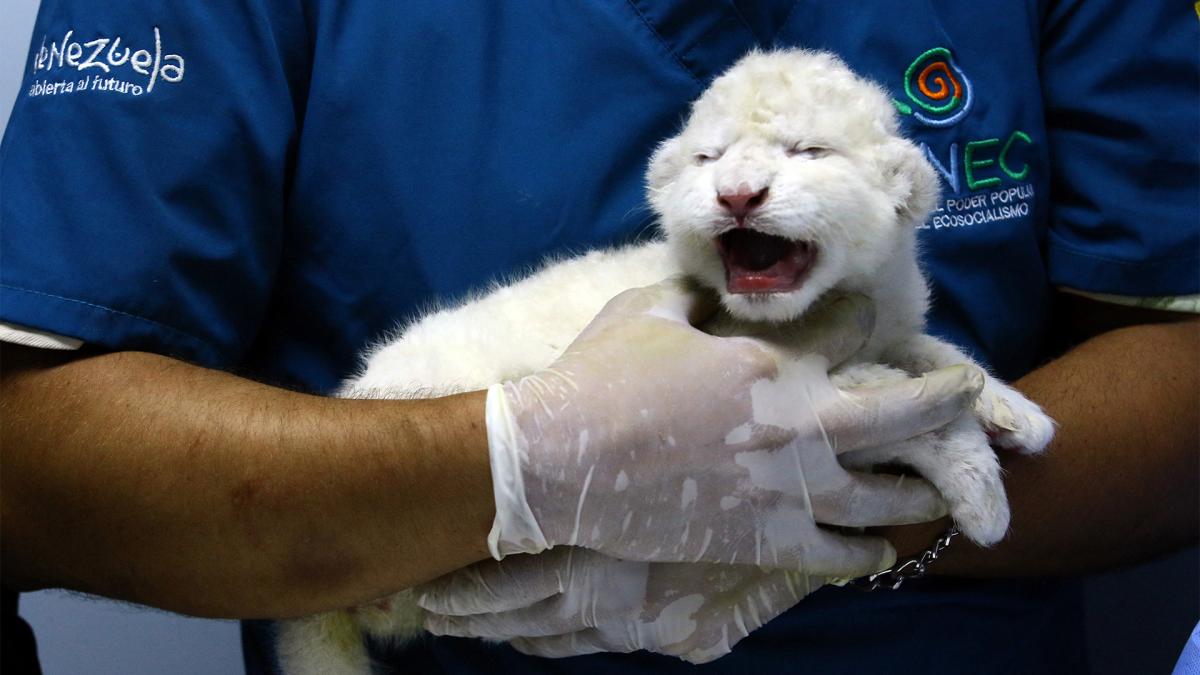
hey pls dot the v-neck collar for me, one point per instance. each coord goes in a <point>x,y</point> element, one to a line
<point>707,36</point>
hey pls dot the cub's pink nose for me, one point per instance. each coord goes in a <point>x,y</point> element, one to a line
<point>741,203</point>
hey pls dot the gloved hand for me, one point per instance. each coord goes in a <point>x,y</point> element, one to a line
<point>571,601</point>
<point>651,440</point>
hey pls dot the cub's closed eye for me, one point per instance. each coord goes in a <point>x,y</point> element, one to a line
<point>702,158</point>
<point>808,151</point>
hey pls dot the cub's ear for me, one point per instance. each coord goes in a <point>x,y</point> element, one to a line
<point>665,164</point>
<point>910,179</point>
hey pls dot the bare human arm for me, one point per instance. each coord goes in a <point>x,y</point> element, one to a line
<point>1120,482</point>
<point>236,499</point>
<point>138,477</point>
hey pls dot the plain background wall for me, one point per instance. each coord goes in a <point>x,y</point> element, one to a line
<point>1137,620</point>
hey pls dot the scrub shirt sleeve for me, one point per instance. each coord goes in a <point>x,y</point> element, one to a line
<point>144,169</point>
<point>1120,82</point>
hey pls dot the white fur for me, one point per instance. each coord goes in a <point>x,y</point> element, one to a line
<point>856,196</point>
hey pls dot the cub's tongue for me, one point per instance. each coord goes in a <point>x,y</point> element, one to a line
<point>763,263</point>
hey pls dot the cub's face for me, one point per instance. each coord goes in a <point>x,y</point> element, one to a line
<point>789,178</point>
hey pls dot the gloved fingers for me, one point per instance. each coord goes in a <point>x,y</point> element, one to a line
<point>723,624</point>
<point>699,655</point>
<point>798,585</point>
<point>835,330</point>
<point>497,586</point>
<point>593,641</point>
<point>551,616</point>
<point>676,298</point>
<point>697,634</point>
<point>840,556</point>
<point>889,413</point>
<point>588,641</point>
<point>875,500</point>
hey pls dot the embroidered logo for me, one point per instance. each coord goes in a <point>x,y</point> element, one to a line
<point>987,178</point>
<point>131,72</point>
<point>939,91</point>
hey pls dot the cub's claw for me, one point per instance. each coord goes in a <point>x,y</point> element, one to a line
<point>1012,421</point>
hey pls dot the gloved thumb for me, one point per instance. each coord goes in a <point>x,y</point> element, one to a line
<point>835,329</point>
<point>676,299</point>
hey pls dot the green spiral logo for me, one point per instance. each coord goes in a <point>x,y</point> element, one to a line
<point>941,94</point>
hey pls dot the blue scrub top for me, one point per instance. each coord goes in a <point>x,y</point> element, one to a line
<point>269,185</point>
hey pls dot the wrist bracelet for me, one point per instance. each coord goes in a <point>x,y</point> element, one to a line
<point>914,568</point>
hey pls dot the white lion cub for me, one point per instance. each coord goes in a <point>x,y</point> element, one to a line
<point>788,184</point>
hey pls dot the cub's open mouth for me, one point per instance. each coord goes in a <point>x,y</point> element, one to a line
<point>756,262</point>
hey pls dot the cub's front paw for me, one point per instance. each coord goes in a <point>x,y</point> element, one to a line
<point>1012,421</point>
<point>958,460</point>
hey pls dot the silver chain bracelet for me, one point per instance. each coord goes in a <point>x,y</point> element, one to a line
<point>913,568</point>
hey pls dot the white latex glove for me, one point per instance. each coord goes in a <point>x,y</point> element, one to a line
<point>651,440</point>
<point>571,601</point>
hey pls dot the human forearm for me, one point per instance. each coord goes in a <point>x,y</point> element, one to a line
<point>1120,481</point>
<point>139,477</point>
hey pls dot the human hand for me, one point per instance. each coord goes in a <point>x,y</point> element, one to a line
<point>571,601</point>
<point>651,440</point>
